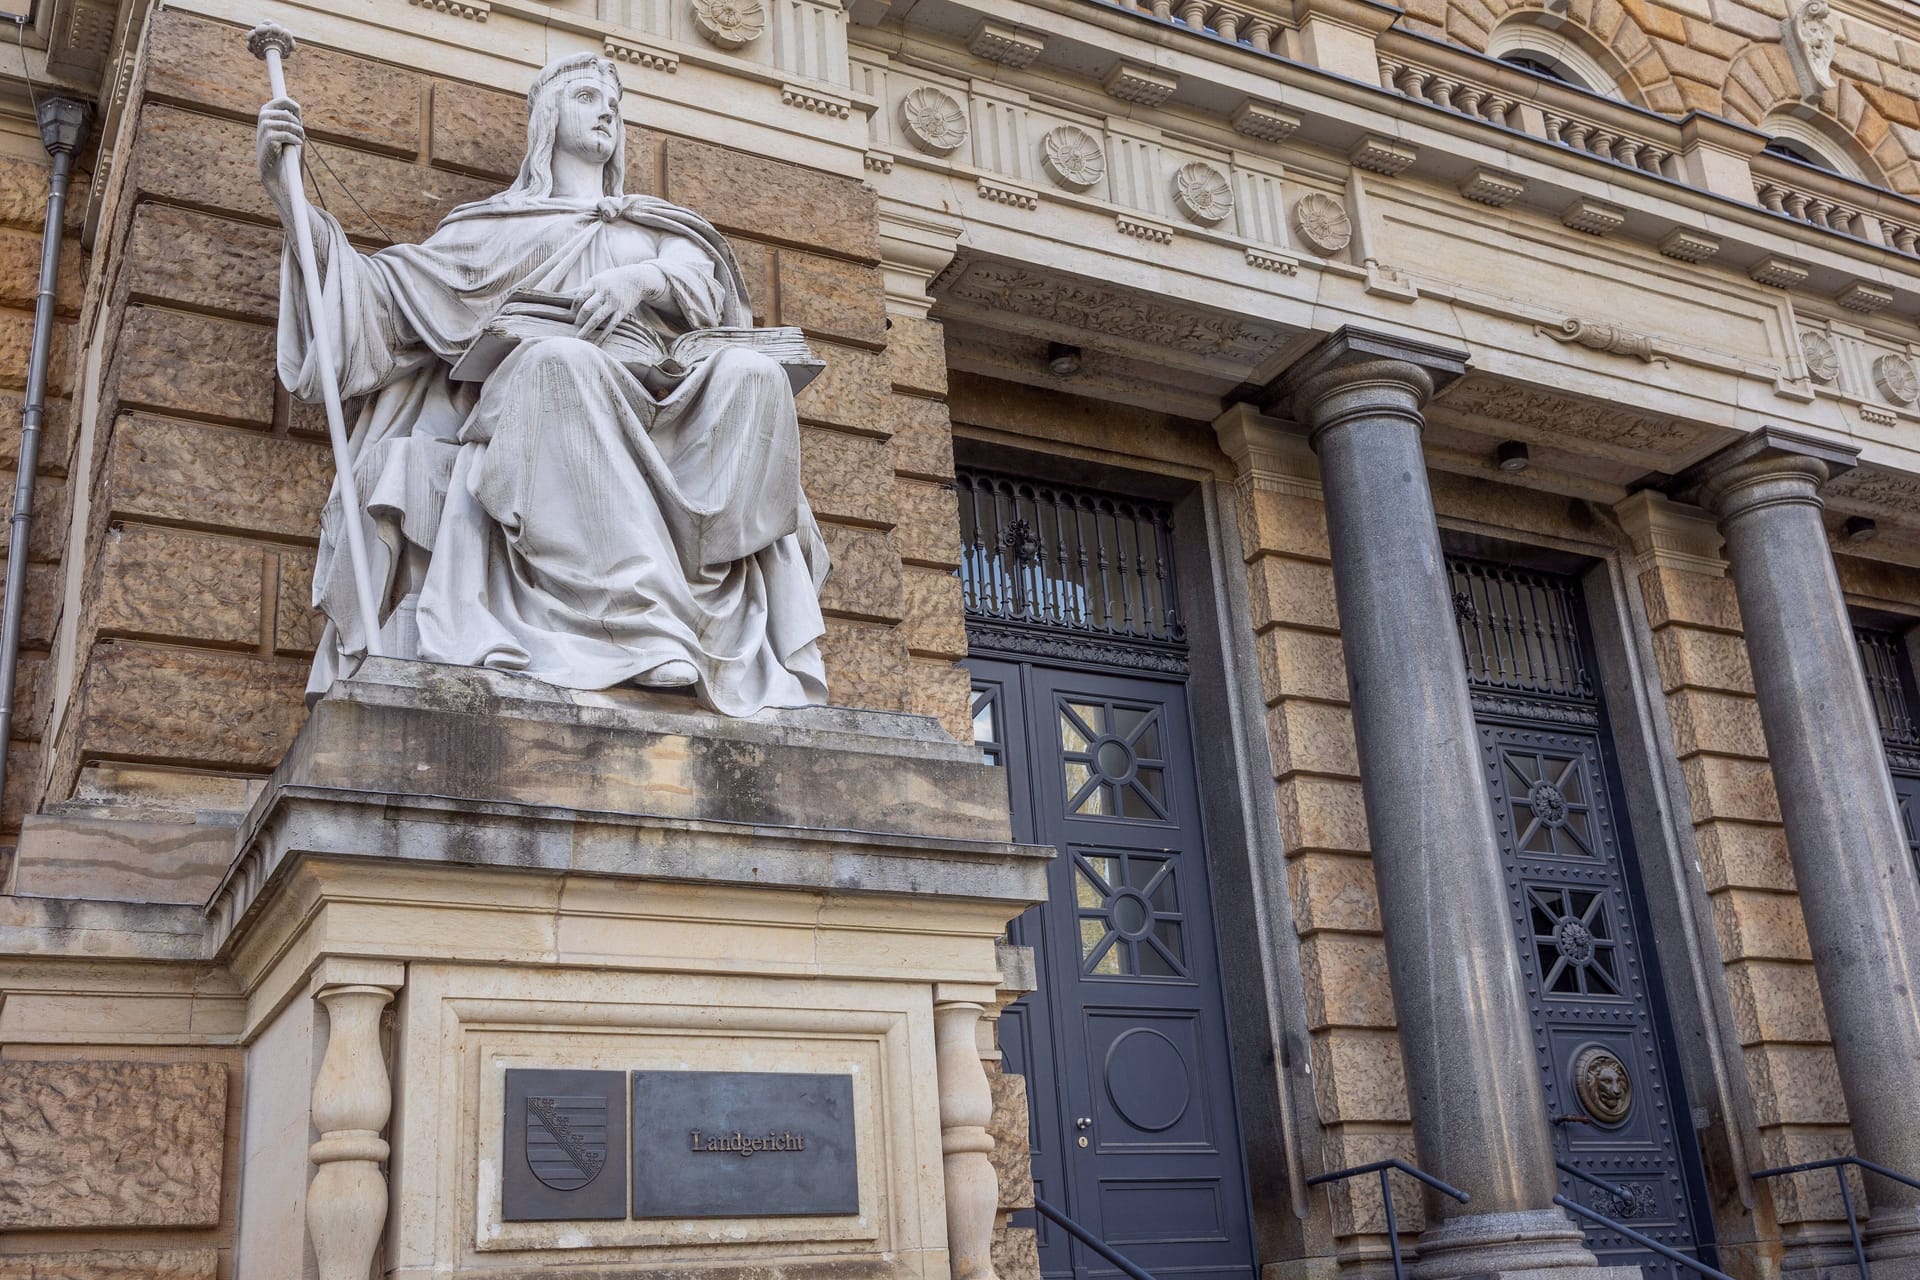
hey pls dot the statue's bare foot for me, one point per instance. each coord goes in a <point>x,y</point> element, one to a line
<point>675,673</point>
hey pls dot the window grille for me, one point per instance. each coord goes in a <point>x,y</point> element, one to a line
<point>1520,631</point>
<point>1067,559</point>
<point>1890,685</point>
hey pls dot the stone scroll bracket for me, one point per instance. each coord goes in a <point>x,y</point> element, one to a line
<point>352,1102</point>
<point>966,1109</point>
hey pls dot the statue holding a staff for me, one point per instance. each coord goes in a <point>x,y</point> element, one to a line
<point>575,458</point>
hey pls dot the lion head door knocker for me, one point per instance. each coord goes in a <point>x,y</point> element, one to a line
<point>1603,1085</point>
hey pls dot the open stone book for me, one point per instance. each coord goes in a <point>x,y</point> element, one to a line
<point>531,314</point>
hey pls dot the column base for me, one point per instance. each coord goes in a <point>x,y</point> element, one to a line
<point>1534,1244</point>
<point>1893,1243</point>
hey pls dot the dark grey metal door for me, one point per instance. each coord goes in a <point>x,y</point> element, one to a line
<point>1602,1035</point>
<point>1890,683</point>
<point>1135,1128</point>
<point>1079,659</point>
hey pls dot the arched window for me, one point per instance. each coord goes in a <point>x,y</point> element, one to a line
<point>1803,141</point>
<point>1552,55</point>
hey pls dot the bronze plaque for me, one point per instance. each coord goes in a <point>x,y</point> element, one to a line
<point>565,1150</point>
<point>743,1144</point>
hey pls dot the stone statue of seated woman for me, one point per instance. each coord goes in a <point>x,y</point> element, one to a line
<point>595,497</point>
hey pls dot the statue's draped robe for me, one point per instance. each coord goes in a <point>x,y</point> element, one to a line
<point>578,529</point>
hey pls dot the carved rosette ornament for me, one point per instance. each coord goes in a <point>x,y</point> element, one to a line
<point>1823,362</point>
<point>1603,1085</point>
<point>1893,377</point>
<point>1322,222</point>
<point>1072,157</point>
<point>1810,42</point>
<point>934,121</point>
<point>729,24</point>
<point>1202,193</point>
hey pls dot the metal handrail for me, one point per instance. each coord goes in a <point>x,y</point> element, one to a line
<point>1384,1168</point>
<point>1090,1240</point>
<point>1620,1228</point>
<point>1839,1166</point>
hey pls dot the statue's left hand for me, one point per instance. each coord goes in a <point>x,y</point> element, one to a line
<point>615,294</point>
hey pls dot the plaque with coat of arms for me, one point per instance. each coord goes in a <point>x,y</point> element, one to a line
<point>566,1146</point>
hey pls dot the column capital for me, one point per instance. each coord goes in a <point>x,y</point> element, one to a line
<point>1772,465</point>
<point>1267,452</point>
<point>1407,371</point>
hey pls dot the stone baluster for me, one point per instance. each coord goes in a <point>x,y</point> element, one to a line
<point>352,1100</point>
<point>1440,92</point>
<point>1906,239</point>
<point>1467,99</point>
<point>1575,134</point>
<point>1413,82</point>
<point>1389,75</point>
<point>1227,23</point>
<point>1797,204</point>
<point>1163,10</point>
<point>1466,1037</point>
<point>1772,196</point>
<point>966,1108</point>
<point>1627,152</point>
<point>1820,212</point>
<point>1601,143</point>
<point>1857,889</point>
<point>1654,159</point>
<point>1496,108</point>
<point>1556,126</point>
<point>1260,33</point>
<point>1194,14</point>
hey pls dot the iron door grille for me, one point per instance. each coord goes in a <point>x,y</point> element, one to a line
<point>1883,659</point>
<point>1520,635</point>
<point>1066,573</point>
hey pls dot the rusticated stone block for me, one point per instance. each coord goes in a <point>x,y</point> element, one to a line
<point>1745,855</point>
<point>756,272</point>
<point>935,623</point>
<point>929,528</point>
<point>211,476</point>
<point>1692,658</point>
<point>922,437</point>
<point>183,363</point>
<point>56,433</point>
<point>111,1144</point>
<point>1693,599</point>
<point>1298,593</point>
<point>1725,724</point>
<point>1016,1253</point>
<point>1720,787</point>
<point>92,1264</point>
<point>1345,976</point>
<point>16,344</point>
<point>1301,664</point>
<point>1777,1002</point>
<point>832,298</point>
<point>195,159</point>
<point>1808,1196</point>
<point>773,200</point>
<point>1357,1209</point>
<point>1322,813</point>
<point>1012,1153</point>
<point>1283,523</point>
<point>297,625</point>
<point>866,666</point>
<point>216,709</point>
<point>1760,926</point>
<point>1333,891</point>
<point>47,536</point>
<point>179,586</point>
<point>917,355</point>
<point>944,691</point>
<point>847,477</point>
<point>849,393</point>
<point>865,579</point>
<point>1358,1077</point>
<point>1795,1084</point>
<point>205,262</point>
<point>1313,737</point>
<point>20,272</point>
<point>479,131</point>
<point>197,62</point>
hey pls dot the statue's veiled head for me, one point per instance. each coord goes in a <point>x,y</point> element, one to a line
<point>573,107</point>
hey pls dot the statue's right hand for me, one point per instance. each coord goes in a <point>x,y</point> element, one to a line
<point>279,128</point>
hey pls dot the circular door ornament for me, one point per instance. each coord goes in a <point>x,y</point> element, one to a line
<point>730,24</point>
<point>1823,362</point>
<point>1202,193</point>
<point>1072,157</point>
<point>1549,804</point>
<point>1603,1085</point>
<point>1894,377</point>
<point>935,122</point>
<point>1322,222</point>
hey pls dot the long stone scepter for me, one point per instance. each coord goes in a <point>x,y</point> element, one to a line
<point>271,42</point>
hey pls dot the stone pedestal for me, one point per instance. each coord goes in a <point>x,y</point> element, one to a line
<point>536,878</point>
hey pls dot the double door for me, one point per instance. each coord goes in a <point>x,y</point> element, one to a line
<point>1135,1131</point>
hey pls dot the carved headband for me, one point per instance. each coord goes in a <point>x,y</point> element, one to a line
<point>575,67</point>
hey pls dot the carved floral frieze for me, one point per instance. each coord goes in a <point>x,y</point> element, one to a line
<point>1072,157</point>
<point>1483,396</point>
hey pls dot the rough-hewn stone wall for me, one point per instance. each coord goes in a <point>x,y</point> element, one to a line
<point>23,208</point>
<point>207,481</point>
<point>1727,57</point>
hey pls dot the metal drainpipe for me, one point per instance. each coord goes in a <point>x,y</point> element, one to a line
<point>63,125</point>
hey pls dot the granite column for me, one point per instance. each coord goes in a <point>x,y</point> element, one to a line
<point>1479,1111</point>
<point>1855,877</point>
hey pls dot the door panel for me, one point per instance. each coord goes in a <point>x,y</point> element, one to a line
<point>1125,1048</point>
